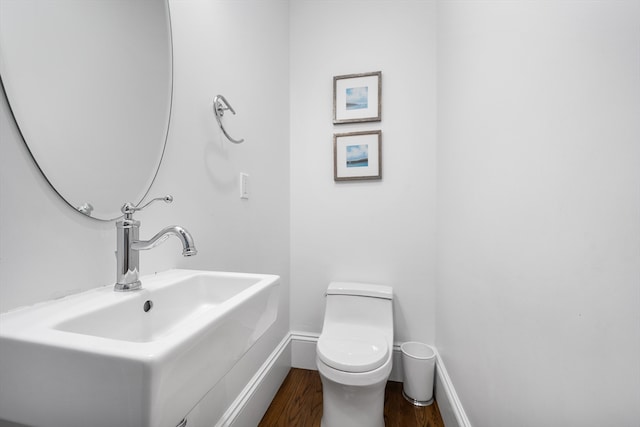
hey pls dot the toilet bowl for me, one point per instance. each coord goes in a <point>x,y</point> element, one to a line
<point>354,354</point>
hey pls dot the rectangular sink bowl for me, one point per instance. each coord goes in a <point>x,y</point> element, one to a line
<point>143,358</point>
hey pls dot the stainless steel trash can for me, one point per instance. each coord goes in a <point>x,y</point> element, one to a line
<point>418,362</point>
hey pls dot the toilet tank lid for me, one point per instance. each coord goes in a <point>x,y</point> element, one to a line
<point>360,289</point>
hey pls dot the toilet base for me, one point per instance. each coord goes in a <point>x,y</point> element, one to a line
<point>352,406</point>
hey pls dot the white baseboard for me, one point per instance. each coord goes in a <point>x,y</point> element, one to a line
<point>303,356</point>
<point>298,350</point>
<point>303,350</point>
<point>252,402</point>
<point>449,404</point>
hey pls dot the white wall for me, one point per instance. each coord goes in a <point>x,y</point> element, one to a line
<point>46,249</point>
<point>240,50</point>
<point>377,231</point>
<point>538,144</point>
<point>539,210</point>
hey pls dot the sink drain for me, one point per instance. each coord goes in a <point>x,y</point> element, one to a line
<point>148,305</point>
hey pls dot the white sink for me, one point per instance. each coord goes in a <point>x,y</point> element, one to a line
<point>141,358</point>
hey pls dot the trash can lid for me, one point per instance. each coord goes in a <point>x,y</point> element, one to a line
<point>417,350</point>
<point>352,350</point>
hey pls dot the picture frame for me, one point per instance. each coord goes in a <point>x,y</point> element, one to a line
<point>357,156</point>
<point>357,98</point>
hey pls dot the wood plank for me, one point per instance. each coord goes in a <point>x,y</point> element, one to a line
<point>280,404</point>
<point>304,408</point>
<point>298,403</point>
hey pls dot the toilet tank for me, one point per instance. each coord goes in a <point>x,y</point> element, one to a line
<point>358,304</point>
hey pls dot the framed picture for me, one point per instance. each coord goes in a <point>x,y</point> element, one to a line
<point>357,155</point>
<point>357,98</point>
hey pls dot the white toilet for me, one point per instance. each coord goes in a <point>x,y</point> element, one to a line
<point>354,354</point>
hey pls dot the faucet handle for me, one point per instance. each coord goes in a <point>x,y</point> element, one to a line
<point>129,208</point>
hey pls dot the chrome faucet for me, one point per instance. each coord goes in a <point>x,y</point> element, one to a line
<point>128,245</point>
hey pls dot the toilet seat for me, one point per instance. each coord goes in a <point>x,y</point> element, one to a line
<point>353,350</point>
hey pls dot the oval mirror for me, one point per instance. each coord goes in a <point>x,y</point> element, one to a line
<point>89,84</point>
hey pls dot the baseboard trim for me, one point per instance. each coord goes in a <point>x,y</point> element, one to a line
<point>451,409</point>
<point>303,350</point>
<point>255,398</point>
<point>297,350</point>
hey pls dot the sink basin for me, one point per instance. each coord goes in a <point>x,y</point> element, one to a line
<point>142,358</point>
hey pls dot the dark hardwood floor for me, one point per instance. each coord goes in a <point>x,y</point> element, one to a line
<point>298,403</point>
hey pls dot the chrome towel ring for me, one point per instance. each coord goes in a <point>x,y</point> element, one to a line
<point>220,105</point>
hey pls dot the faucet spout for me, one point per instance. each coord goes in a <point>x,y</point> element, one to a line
<point>128,246</point>
<point>188,247</point>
